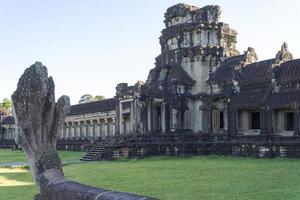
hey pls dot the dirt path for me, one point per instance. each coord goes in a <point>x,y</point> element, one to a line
<point>5,182</point>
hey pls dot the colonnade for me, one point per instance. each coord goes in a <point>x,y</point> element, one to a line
<point>10,133</point>
<point>91,128</point>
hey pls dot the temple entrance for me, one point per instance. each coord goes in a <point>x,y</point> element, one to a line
<point>221,120</point>
<point>289,121</point>
<point>283,123</point>
<point>218,119</point>
<point>249,122</point>
<point>255,120</point>
<point>126,123</point>
<point>158,118</point>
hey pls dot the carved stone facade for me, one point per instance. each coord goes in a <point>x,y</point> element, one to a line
<point>193,45</point>
<point>256,98</point>
<point>7,128</point>
<point>200,84</point>
<point>118,115</point>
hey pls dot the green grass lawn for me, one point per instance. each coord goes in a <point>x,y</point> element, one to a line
<point>7,155</point>
<point>211,178</point>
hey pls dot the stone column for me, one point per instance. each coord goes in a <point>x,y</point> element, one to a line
<point>106,127</point>
<point>167,118</point>
<point>64,130</point>
<point>225,116</point>
<point>269,122</point>
<point>94,128</point>
<point>210,119</point>
<point>263,121</point>
<point>84,131</point>
<point>163,117</point>
<point>81,129</point>
<point>179,121</point>
<point>73,130</point>
<point>68,131</point>
<point>296,120</point>
<point>77,129</point>
<point>232,121</point>
<point>113,126</point>
<point>98,128</point>
<point>101,128</point>
<point>120,118</point>
<point>149,127</point>
<point>152,110</point>
<point>131,116</point>
<point>89,128</point>
<point>174,118</point>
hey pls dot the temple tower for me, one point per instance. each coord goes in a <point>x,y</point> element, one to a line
<point>193,43</point>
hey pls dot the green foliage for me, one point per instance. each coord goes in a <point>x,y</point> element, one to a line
<point>86,98</point>
<point>6,106</point>
<point>207,178</point>
<point>99,98</point>
<point>89,98</point>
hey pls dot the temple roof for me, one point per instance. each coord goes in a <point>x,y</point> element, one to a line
<point>169,74</point>
<point>93,107</point>
<point>288,71</point>
<point>253,99</point>
<point>9,120</point>
<point>178,74</point>
<point>256,72</point>
<point>284,99</point>
<point>226,71</point>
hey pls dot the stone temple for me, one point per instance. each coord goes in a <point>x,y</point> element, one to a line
<point>202,96</point>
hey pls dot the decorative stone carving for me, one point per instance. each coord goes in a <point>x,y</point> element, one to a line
<point>249,57</point>
<point>183,13</point>
<point>283,55</point>
<point>39,120</point>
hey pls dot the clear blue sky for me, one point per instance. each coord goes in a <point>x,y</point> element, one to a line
<point>89,46</point>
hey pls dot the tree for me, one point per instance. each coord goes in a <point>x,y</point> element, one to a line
<point>5,106</point>
<point>89,98</point>
<point>99,98</point>
<point>86,98</point>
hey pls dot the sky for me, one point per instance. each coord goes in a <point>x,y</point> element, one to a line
<point>90,46</point>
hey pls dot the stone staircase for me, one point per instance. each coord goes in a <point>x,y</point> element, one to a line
<point>98,150</point>
<point>96,153</point>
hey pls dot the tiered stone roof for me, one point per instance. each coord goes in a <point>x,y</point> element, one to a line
<point>93,107</point>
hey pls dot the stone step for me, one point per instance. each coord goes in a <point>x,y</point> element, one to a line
<point>93,150</point>
<point>93,154</point>
<point>96,151</point>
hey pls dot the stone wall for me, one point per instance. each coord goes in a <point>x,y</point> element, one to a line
<point>187,144</point>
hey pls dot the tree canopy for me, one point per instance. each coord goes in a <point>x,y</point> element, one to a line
<point>89,98</point>
<point>6,106</point>
<point>99,97</point>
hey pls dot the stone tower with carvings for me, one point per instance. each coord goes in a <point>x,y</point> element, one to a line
<point>193,43</point>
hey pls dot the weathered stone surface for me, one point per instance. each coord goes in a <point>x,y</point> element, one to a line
<point>38,119</point>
